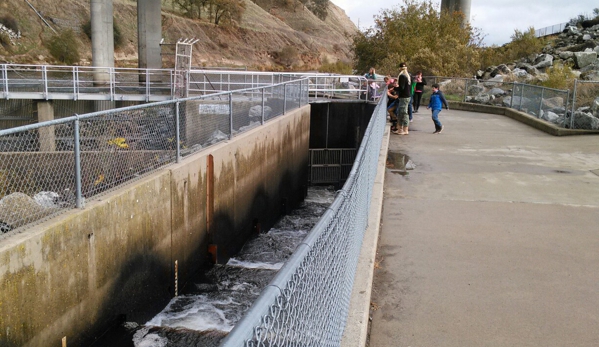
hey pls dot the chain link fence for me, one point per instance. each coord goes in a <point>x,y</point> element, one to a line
<point>585,105</point>
<point>578,109</point>
<point>49,167</point>
<point>306,304</point>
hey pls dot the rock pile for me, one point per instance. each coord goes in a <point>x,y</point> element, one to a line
<point>575,47</point>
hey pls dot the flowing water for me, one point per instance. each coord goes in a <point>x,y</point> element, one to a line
<point>205,314</point>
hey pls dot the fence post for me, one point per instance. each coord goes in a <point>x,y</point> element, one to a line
<point>301,90</point>
<point>45,78</point>
<point>284,98</point>
<point>521,97</point>
<point>263,91</point>
<point>112,83</point>
<point>147,85</point>
<point>541,102</point>
<point>5,80</point>
<point>566,108</point>
<point>230,115</point>
<point>77,150</point>
<point>573,104</point>
<point>513,95</point>
<point>178,132</point>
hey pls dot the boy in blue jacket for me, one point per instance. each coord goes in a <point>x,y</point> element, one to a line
<point>436,102</point>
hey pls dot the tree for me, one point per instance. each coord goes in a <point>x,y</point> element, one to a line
<point>418,34</point>
<point>319,8</point>
<point>227,10</point>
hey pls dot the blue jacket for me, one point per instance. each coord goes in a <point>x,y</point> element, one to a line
<point>437,101</point>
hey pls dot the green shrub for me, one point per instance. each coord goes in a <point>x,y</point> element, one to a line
<point>559,77</point>
<point>116,30</point>
<point>64,47</point>
<point>10,23</point>
<point>339,67</point>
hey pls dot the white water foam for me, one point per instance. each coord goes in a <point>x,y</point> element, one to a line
<point>254,264</point>
<point>141,338</point>
<point>195,314</point>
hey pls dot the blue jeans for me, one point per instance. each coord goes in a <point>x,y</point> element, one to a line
<point>438,124</point>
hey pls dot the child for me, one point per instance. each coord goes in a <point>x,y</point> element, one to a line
<point>435,103</point>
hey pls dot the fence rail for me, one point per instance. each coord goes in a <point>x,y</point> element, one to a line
<point>47,168</point>
<point>550,30</point>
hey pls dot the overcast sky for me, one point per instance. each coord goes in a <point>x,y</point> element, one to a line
<point>496,19</point>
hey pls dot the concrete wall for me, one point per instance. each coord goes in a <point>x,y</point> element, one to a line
<point>523,117</point>
<point>77,273</point>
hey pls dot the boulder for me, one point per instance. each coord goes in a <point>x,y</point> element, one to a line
<point>585,120</point>
<point>553,103</point>
<point>566,55</point>
<point>256,111</point>
<point>18,209</point>
<point>583,59</point>
<point>492,82</point>
<point>543,61</point>
<point>549,116</point>
<point>595,107</point>
<point>475,89</point>
<point>496,92</point>
<point>483,98</point>
<point>586,37</point>
<point>518,102</point>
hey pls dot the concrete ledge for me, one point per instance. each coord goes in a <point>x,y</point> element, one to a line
<point>522,117</point>
<point>356,328</point>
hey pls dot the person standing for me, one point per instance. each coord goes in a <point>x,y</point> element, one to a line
<point>418,90</point>
<point>436,102</point>
<point>371,83</point>
<point>403,91</point>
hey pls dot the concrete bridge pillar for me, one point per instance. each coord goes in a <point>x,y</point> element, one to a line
<point>47,136</point>
<point>102,39</point>
<point>459,6</point>
<point>149,33</point>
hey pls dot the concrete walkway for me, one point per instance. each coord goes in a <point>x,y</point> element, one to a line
<point>492,239</point>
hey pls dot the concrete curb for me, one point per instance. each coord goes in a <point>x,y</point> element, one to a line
<point>521,117</point>
<point>356,329</point>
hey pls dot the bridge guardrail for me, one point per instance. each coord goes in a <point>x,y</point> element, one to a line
<point>77,82</point>
<point>307,302</point>
<point>48,168</point>
<point>48,82</point>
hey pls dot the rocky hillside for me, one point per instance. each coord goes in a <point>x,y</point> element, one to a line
<point>577,48</point>
<point>269,38</point>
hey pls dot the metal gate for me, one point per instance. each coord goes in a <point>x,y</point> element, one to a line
<point>331,165</point>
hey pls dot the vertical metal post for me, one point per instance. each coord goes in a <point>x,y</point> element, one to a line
<point>566,108</point>
<point>187,76</point>
<point>513,95</point>
<point>228,82</point>
<point>521,97</point>
<point>45,79</point>
<point>77,150</point>
<point>301,92</point>
<point>284,98</point>
<point>176,278</point>
<point>230,116</point>
<point>263,91</point>
<point>5,80</point>
<point>541,102</point>
<point>573,104</point>
<point>112,83</point>
<point>147,85</point>
<point>178,132</point>
<point>76,82</point>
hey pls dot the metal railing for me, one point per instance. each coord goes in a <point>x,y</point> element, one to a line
<point>48,82</point>
<point>77,82</point>
<point>49,167</point>
<point>550,30</point>
<point>306,304</point>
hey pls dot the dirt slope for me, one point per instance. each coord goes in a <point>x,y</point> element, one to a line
<point>255,42</point>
